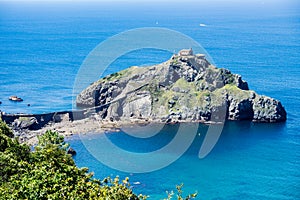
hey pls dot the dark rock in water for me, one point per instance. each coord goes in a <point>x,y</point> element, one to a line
<point>71,151</point>
<point>0,102</point>
<point>186,87</point>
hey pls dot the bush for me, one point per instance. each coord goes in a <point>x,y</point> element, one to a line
<point>50,173</point>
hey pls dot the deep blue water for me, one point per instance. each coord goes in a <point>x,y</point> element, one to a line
<point>43,45</point>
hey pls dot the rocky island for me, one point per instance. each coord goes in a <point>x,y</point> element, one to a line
<point>186,88</point>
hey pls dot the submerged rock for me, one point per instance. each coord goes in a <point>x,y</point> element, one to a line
<point>184,88</point>
<point>71,151</point>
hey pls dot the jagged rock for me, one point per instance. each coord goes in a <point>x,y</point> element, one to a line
<point>267,109</point>
<point>186,87</point>
<point>241,110</point>
<point>24,123</point>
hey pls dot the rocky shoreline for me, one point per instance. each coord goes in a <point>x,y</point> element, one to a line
<point>28,132</point>
<point>27,127</point>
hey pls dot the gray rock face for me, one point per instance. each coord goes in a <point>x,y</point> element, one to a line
<point>267,109</point>
<point>138,105</point>
<point>184,88</point>
<point>24,123</point>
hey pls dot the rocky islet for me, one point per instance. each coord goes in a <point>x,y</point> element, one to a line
<point>184,88</point>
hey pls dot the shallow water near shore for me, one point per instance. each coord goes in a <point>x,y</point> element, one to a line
<point>42,48</point>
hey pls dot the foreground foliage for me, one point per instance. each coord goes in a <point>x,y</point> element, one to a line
<point>49,172</point>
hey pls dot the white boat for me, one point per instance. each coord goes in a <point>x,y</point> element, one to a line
<point>15,98</point>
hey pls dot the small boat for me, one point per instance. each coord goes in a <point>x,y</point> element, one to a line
<point>202,25</point>
<point>15,98</point>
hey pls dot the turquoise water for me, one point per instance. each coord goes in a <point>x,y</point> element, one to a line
<point>250,161</point>
<point>43,46</point>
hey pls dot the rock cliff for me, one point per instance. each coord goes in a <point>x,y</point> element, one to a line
<point>184,88</point>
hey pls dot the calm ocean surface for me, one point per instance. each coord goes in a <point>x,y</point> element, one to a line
<point>43,45</point>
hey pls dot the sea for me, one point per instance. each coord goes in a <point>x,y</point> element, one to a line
<point>43,46</point>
